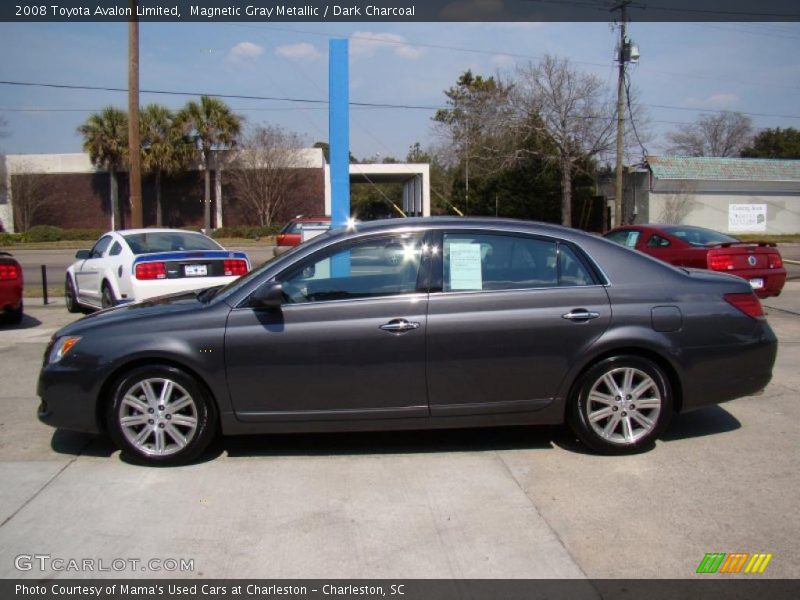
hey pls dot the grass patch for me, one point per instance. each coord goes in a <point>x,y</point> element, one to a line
<point>35,291</point>
<point>786,238</point>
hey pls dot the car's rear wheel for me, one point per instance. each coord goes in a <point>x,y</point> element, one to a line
<point>621,405</point>
<point>161,415</point>
<point>70,296</point>
<point>107,299</point>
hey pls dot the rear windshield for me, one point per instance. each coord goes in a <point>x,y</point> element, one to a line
<point>169,241</point>
<point>697,236</point>
<point>297,226</point>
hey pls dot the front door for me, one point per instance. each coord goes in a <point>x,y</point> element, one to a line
<point>348,342</point>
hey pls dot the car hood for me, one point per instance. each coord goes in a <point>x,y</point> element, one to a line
<point>153,307</point>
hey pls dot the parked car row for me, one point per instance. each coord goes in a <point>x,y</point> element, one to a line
<point>401,324</point>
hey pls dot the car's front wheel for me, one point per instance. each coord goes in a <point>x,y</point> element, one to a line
<point>70,296</point>
<point>161,415</point>
<point>621,405</point>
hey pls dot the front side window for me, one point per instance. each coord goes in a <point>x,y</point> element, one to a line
<point>100,246</point>
<point>375,267</point>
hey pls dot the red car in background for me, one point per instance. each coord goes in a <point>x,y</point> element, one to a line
<point>696,247</point>
<point>292,234</point>
<point>10,289</point>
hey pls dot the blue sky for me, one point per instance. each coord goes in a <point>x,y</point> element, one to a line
<point>748,67</point>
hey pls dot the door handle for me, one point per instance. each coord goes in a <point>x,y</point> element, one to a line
<point>399,326</point>
<point>580,314</point>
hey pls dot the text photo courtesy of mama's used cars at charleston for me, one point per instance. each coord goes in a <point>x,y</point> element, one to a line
<point>415,324</point>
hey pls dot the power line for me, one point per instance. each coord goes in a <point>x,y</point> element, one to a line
<point>374,105</point>
<point>229,96</point>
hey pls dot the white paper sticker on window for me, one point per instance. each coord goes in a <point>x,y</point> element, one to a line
<point>747,217</point>
<point>465,267</point>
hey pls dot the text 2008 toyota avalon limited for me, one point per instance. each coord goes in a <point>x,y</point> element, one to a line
<point>410,324</point>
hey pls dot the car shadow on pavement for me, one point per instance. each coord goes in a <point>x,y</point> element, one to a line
<point>28,322</point>
<point>710,420</point>
<point>81,444</point>
<point>390,442</point>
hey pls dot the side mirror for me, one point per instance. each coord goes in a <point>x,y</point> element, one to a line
<point>268,296</point>
<point>82,254</point>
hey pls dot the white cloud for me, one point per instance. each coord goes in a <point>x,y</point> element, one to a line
<point>367,43</point>
<point>503,60</point>
<point>722,99</point>
<point>301,51</point>
<point>244,51</point>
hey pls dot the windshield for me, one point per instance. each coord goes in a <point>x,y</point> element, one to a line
<point>697,236</point>
<point>169,241</point>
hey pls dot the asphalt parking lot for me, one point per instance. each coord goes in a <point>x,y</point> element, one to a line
<point>502,503</point>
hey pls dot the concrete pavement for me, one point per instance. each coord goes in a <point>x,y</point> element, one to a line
<point>488,503</point>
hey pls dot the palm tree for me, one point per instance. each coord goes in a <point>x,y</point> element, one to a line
<point>213,126</point>
<point>105,139</point>
<point>164,147</point>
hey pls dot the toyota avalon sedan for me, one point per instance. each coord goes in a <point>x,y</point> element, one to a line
<point>479,322</point>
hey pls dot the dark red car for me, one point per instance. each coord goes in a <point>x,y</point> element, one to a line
<point>10,289</point>
<point>292,234</point>
<point>696,247</point>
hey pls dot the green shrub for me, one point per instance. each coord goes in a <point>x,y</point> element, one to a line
<point>252,232</point>
<point>8,239</point>
<point>43,233</point>
<point>80,234</point>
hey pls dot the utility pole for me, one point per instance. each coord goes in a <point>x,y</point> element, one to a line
<point>618,187</point>
<point>134,145</point>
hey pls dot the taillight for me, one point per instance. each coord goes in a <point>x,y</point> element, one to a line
<point>775,261</point>
<point>152,270</point>
<point>747,303</point>
<point>235,267</point>
<point>9,272</point>
<point>720,262</point>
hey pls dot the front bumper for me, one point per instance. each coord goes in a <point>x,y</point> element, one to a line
<point>69,399</point>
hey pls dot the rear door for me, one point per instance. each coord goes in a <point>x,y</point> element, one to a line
<point>511,314</point>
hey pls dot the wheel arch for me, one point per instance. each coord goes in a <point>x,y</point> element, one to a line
<point>632,350</point>
<point>104,395</point>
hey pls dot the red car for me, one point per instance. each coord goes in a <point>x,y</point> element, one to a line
<point>10,289</point>
<point>292,234</point>
<point>685,246</point>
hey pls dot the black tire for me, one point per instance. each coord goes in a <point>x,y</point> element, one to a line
<point>14,316</point>
<point>107,298</point>
<point>630,402</point>
<point>157,419</point>
<point>70,297</point>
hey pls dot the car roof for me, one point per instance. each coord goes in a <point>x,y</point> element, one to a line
<point>470,223</point>
<point>152,230</point>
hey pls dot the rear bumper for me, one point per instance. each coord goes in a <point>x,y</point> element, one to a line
<point>143,290</point>
<point>720,373</point>
<point>10,295</point>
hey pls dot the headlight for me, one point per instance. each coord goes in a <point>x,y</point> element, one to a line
<point>62,347</point>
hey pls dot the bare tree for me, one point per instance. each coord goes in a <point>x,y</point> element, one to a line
<point>31,194</point>
<point>571,109</point>
<point>677,204</point>
<point>3,127</point>
<point>264,170</point>
<point>723,134</point>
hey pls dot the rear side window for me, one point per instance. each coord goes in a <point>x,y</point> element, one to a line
<point>482,261</point>
<point>115,249</point>
<point>656,241</point>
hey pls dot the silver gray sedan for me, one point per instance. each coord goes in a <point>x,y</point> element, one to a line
<point>413,324</point>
